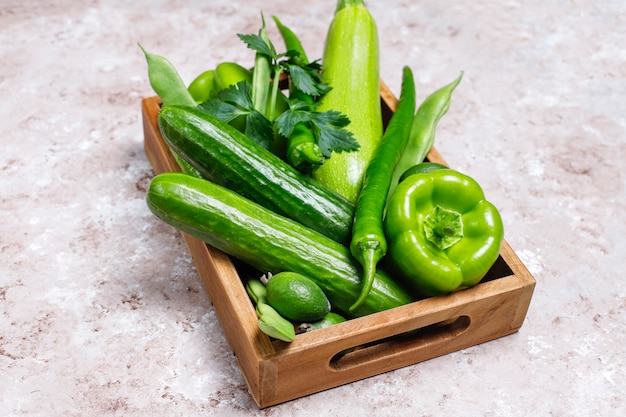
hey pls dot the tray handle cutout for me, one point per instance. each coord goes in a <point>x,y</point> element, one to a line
<point>422,339</point>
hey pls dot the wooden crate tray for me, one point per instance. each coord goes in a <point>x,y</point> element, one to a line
<point>277,372</point>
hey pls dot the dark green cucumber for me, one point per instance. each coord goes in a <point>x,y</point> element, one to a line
<point>229,158</point>
<point>267,241</point>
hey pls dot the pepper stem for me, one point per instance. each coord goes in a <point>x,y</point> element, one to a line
<point>369,255</point>
<point>443,227</point>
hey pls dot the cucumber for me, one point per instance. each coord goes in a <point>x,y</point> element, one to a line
<point>227,157</point>
<point>350,65</point>
<point>267,241</point>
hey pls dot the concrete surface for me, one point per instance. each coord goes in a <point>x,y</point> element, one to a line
<point>101,310</point>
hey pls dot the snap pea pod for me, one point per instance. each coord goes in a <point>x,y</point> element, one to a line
<point>166,81</point>
<point>270,321</point>
<point>368,244</point>
<point>169,86</point>
<point>423,130</point>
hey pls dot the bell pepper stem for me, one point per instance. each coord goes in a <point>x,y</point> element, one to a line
<point>443,228</point>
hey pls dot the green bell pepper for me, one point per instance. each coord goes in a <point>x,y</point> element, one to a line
<point>442,233</point>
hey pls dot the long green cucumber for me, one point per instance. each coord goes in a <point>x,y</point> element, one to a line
<point>227,157</point>
<point>267,241</point>
<point>350,65</point>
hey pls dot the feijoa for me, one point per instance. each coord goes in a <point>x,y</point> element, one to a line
<point>297,297</point>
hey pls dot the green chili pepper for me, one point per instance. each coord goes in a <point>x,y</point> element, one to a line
<point>292,43</point>
<point>423,130</point>
<point>368,244</point>
<point>303,152</point>
<point>443,234</point>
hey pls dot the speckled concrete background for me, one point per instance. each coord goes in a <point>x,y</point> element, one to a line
<point>101,310</point>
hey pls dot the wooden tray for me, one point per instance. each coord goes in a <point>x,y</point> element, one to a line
<point>277,372</point>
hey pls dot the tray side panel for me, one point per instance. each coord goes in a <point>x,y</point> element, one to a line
<point>395,338</point>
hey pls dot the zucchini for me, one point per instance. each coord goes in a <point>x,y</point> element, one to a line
<point>350,65</point>
<point>267,241</point>
<point>227,157</point>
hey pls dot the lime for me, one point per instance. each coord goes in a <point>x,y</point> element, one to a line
<point>297,297</point>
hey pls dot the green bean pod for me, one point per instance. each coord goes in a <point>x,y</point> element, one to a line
<point>169,86</point>
<point>423,130</point>
<point>368,244</point>
<point>261,76</point>
<point>166,82</point>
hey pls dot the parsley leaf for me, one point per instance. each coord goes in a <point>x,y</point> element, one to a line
<point>238,94</point>
<point>257,44</point>
<point>328,127</point>
<point>331,135</point>
<point>306,80</point>
<point>259,129</point>
<point>224,111</point>
<point>236,101</point>
<point>299,111</point>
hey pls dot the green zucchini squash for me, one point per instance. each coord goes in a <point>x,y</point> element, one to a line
<point>267,241</point>
<point>350,65</point>
<point>227,157</point>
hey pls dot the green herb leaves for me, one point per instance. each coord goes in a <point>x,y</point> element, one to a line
<point>260,109</point>
<point>327,127</point>
<point>236,102</point>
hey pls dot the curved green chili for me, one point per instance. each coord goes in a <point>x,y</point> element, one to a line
<point>303,152</point>
<point>368,244</point>
<point>423,129</point>
<point>292,43</point>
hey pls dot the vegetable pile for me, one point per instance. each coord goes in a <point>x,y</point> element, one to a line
<point>286,167</point>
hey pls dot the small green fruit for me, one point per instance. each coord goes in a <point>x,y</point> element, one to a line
<point>297,297</point>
